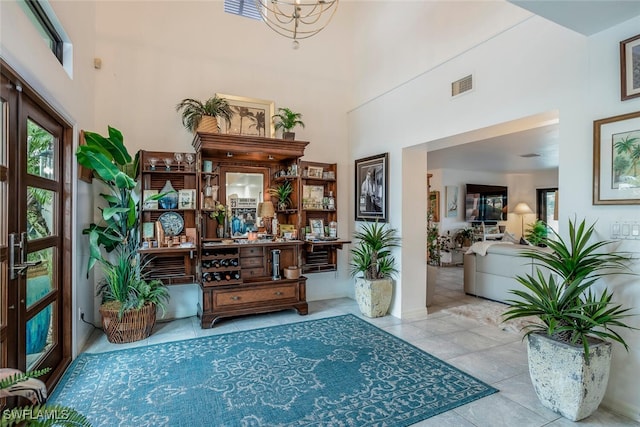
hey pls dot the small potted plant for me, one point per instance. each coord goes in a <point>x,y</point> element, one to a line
<point>569,355</point>
<point>283,193</point>
<point>203,116</point>
<point>373,267</point>
<point>287,120</point>
<point>537,233</point>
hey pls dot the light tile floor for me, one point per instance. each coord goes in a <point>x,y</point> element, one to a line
<point>495,356</point>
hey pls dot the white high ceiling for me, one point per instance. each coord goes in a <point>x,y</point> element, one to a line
<point>503,154</point>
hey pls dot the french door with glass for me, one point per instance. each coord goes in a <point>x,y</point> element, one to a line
<point>35,218</point>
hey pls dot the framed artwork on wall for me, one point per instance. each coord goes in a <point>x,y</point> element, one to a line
<point>250,116</point>
<point>616,177</point>
<point>452,201</point>
<point>371,188</point>
<point>630,67</point>
<point>434,205</point>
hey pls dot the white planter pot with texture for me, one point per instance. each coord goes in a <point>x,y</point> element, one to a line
<point>562,378</point>
<point>374,296</point>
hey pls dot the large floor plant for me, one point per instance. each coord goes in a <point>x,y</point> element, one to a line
<point>569,351</point>
<point>125,285</point>
<point>373,266</point>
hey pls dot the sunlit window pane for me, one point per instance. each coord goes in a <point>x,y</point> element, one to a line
<point>40,335</point>
<point>41,151</point>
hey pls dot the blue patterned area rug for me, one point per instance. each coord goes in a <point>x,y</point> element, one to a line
<point>339,371</point>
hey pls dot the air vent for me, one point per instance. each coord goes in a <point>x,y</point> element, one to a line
<point>461,86</point>
<point>526,156</point>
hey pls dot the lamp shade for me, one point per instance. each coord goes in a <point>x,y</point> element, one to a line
<point>267,210</point>
<point>522,208</point>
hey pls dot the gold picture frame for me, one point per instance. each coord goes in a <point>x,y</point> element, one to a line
<point>250,116</point>
<point>434,205</point>
<point>615,179</point>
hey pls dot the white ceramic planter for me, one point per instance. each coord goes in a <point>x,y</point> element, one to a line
<point>562,378</point>
<point>374,296</point>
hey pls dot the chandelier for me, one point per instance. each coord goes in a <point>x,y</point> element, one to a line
<point>297,19</point>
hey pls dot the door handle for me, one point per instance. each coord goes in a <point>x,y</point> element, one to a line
<point>18,265</point>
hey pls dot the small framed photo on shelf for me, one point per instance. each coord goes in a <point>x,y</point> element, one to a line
<point>148,230</point>
<point>317,226</point>
<point>629,68</point>
<point>287,230</point>
<point>149,204</point>
<point>312,196</point>
<point>314,172</point>
<point>187,198</point>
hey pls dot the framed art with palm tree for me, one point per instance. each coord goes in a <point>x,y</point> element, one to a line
<point>616,160</point>
<point>249,116</point>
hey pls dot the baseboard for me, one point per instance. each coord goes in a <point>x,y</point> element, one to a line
<point>621,408</point>
<point>416,314</point>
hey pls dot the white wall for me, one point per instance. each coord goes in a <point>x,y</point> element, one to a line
<point>531,68</point>
<point>156,56</point>
<point>24,50</point>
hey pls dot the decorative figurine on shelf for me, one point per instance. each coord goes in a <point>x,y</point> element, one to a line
<point>208,200</point>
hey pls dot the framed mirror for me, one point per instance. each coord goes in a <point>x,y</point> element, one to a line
<point>244,192</point>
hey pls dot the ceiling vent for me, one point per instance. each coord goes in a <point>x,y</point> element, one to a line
<point>461,86</point>
<point>528,155</point>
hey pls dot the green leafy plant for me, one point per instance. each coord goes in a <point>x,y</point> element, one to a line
<point>537,232</point>
<point>39,414</point>
<point>287,119</point>
<point>193,110</point>
<point>372,256</point>
<point>568,308</point>
<point>283,193</point>
<point>118,232</point>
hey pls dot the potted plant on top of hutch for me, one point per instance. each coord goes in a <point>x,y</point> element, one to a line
<point>203,116</point>
<point>129,299</point>
<point>287,120</point>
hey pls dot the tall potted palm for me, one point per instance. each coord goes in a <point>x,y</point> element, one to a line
<point>373,267</point>
<point>569,352</point>
<point>129,299</point>
<point>198,116</point>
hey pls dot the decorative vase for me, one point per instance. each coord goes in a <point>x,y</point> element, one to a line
<point>289,136</point>
<point>220,231</point>
<point>170,199</point>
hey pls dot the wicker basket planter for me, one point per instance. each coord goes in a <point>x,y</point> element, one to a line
<point>208,124</point>
<point>134,325</point>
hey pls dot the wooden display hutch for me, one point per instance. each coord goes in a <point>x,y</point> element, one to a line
<point>174,264</point>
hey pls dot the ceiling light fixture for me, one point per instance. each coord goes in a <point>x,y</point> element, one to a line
<point>297,19</point>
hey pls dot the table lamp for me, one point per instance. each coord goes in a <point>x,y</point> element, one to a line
<point>522,209</point>
<point>267,212</point>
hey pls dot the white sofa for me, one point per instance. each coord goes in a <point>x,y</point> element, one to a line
<point>493,275</point>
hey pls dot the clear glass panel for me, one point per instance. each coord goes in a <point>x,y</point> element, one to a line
<point>39,278</point>
<point>40,208</point>
<point>3,179</point>
<point>40,335</point>
<point>41,151</point>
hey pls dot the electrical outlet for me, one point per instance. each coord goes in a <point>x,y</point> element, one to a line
<point>80,313</point>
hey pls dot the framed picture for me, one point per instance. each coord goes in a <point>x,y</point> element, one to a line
<point>616,178</point>
<point>149,204</point>
<point>317,226</point>
<point>312,196</point>
<point>434,205</point>
<point>250,116</point>
<point>452,201</point>
<point>187,199</point>
<point>314,172</point>
<point>371,188</point>
<point>630,67</point>
<point>148,230</point>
